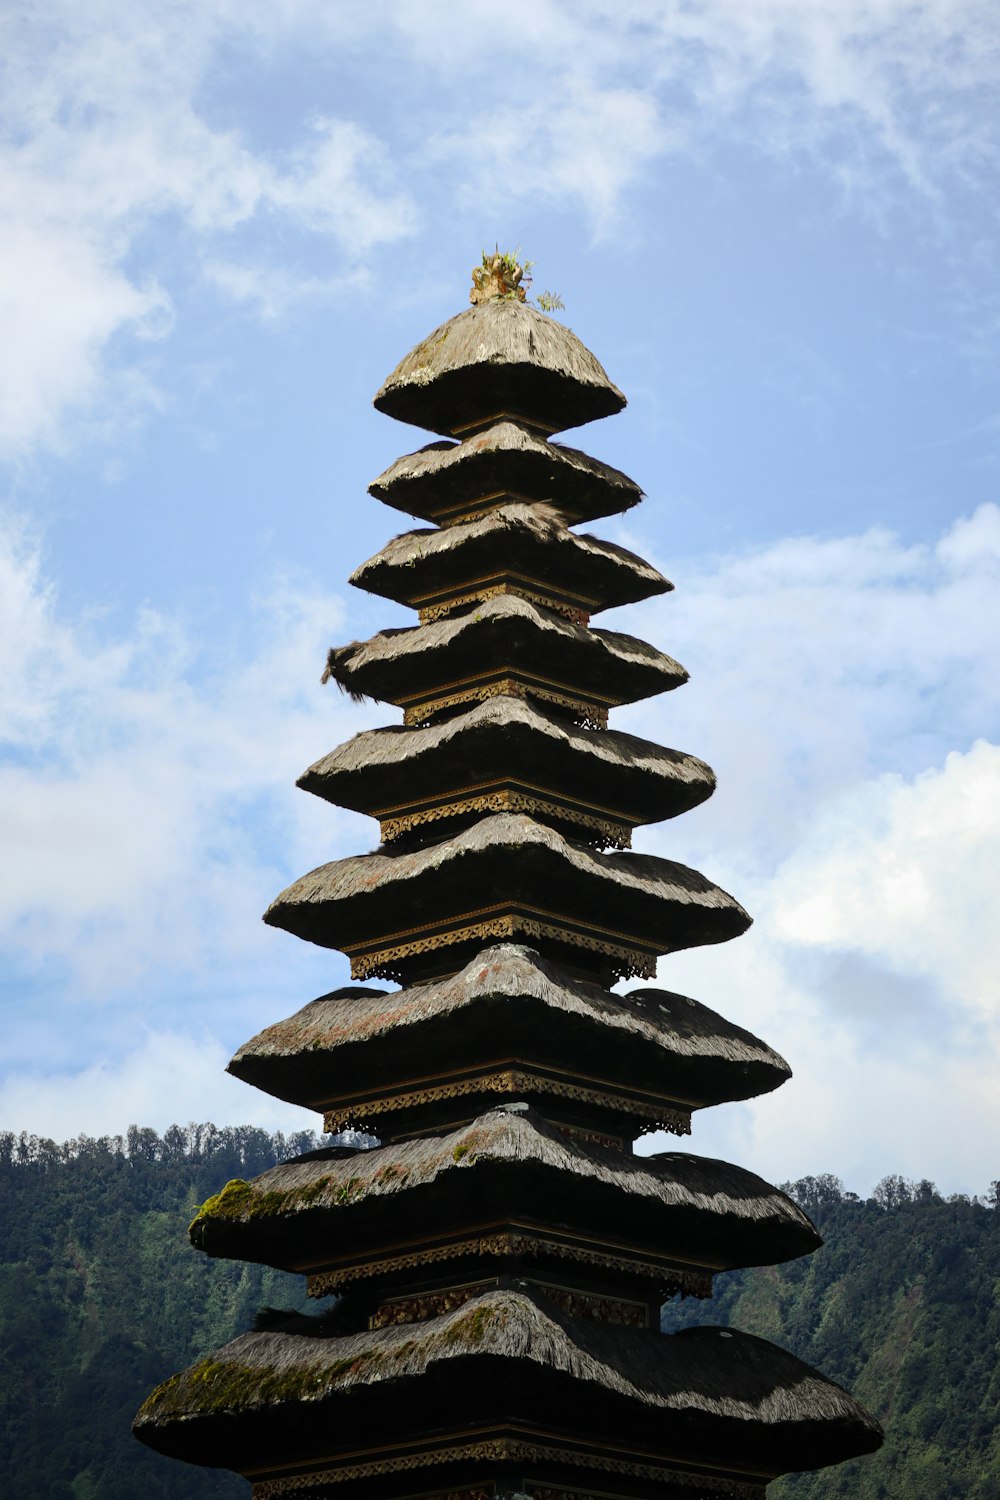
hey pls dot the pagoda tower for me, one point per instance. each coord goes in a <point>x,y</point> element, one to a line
<point>501,1255</point>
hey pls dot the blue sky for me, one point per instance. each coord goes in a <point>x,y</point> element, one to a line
<point>776,226</point>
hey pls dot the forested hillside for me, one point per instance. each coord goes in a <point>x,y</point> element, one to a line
<point>902,1306</point>
<point>101,1297</point>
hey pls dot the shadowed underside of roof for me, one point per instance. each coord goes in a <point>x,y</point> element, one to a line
<point>504,1170</point>
<point>692,1394</point>
<point>447,481</point>
<point>411,775</point>
<point>505,636</point>
<point>526,545</point>
<point>507,1006</point>
<point>505,866</point>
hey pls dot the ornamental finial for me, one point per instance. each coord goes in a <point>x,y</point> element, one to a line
<point>500,275</point>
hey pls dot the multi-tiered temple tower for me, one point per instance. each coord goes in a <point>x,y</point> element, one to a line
<point>502,1254</point>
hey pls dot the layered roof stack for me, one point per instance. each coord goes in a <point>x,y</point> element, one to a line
<point>501,1255</point>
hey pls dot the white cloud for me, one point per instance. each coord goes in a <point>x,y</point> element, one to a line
<point>169,1079</point>
<point>907,872</point>
<point>144,774</point>
<point>873,968</point>
<point>816,663</point>
<point>103,141</point>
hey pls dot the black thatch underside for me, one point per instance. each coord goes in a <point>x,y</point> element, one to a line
<point>501,358</point>
<point>503,742</point>
<point>503,862</point>
<point>522,542</point>
<point>448,480</point>
<point>508,1004</point>
<point>506,1168</point>
<point>270,1397</point>
<point>506,636</point>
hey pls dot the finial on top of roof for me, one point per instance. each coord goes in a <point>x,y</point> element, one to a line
<point>500,275</point>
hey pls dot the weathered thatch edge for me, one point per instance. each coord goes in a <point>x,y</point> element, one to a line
<point>397,570</point>
<point>513,971</point>
<point>512,1134</point>
<point>438,478</point>
<point>259,1371</point>
<point>398,744</point>
<point>413,649</point>
<point>642,874</point>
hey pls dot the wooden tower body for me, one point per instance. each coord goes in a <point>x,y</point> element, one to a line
<point>501,1255</point>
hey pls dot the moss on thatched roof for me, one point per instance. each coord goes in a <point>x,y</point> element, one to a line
<point>507,862</point>
<point>502,1168</point>
<point>270,1397</point>
<point>522,542</point>
<point>507,1003</point>
<point>510,740</point>
<point>501,358</point>
<point>507,636</point>
<point>447,480</point>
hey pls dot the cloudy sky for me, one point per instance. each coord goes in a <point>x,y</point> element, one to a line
<point>775,224</point>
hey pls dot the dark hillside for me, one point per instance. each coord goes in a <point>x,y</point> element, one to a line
<point>902,1306</point>
<point>101,1297</point>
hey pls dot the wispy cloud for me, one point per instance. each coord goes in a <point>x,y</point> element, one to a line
<point>104,141</point>
<point>108,149</point>
<point>143,770</point>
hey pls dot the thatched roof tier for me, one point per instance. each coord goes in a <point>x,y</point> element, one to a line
<point>428,669</point>
<point>499,360</point>
<point>358,1053</point>
<point>449,482</point>
<point>610,1395</point>
<point>518,549</point>
<point>508,1171</point>
<point>399,912</point>
<point>592,786</point>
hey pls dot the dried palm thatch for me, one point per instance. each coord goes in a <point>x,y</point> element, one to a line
<point>359,1044</point>
<point>504,637</point>
<point>507,866</point>
<point>420,773</point>
<point>527,548</point>
<point>273,1396</point>
<point>500,359</point>
<point>444,481</point>
<point>504,1168</point>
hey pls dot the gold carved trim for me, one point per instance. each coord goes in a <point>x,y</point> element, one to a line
<point>510,1081</point>
<point>690,1283</point>
<point>604,831</point>
<point>628,962</point>
<point>574,1303</point>
<point>575,613</point>
<point>589,715</point>
<point>507,1450</point>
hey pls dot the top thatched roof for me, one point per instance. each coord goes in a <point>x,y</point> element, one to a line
<point>527,543</point>
<point>501,358</point>
<point>447,480</point>
<point>704,1395</point>
<point>507,1002</point>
